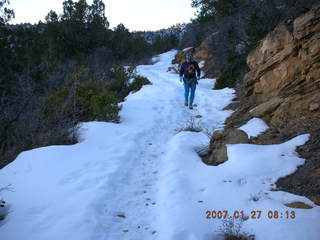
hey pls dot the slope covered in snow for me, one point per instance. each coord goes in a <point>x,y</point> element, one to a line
<point>142,179</point>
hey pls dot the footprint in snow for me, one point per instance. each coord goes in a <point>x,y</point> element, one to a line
<point>121,215</point>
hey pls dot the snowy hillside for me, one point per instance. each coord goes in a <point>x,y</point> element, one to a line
<point>143,180</point>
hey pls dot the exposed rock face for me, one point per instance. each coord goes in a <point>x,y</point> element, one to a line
<point>203,54</point>
<point>265,108</point>
<point>212,65</point>
<point>283,88</point>
<point>218,149</point>
<point>287,64</point>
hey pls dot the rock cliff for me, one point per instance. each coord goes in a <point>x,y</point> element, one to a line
<point>283,88</point>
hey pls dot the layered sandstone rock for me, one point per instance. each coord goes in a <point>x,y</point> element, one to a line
<point>286,64</point>
<point>283,88</point>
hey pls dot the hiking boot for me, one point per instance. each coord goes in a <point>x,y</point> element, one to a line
<point>190,106</point>
<point>186,103</point>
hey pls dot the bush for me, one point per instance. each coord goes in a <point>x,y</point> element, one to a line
<point>104,106</point>
<point>84,99</point>
<point>231,230</point>
<point>232,71</point>
<point>138,83</point>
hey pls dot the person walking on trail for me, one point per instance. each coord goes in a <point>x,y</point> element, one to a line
<point>189,74</point>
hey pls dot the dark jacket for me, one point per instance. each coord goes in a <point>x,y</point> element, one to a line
<point>190,69</point>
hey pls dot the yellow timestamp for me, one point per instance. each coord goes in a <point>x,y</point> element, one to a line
<point>254,214</point>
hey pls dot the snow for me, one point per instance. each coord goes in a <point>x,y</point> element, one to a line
<point>249,174</point>
<point>142,179</point>
<point>131,81</point>
<point>201,64</point>
<point>254,127</point>
<point>187,49</point>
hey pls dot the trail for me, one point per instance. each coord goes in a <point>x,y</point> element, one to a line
<point>135,185</point>
<point>142,179</point>
<point>107,186</point>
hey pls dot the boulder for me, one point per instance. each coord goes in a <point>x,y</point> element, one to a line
<point>219,140</point>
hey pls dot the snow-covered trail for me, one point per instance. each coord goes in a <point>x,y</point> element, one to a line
<point>134,184</point>
<point>143,180</point>
<point>82,191</point>
<point>155,114</point>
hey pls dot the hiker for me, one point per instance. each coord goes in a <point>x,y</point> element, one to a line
<point>189,74</point>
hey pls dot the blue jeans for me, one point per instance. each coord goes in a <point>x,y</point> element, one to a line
<point>187,88</point>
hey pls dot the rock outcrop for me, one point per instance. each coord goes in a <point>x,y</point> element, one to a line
<point>286,64</point>
<point>218,149</point>
<point>283,88</point>
<point>210,65</point>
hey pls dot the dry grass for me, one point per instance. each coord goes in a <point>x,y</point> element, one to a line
<point>192,125</point>
<point>231,230</point>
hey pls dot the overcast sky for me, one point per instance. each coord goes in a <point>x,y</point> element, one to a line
<point>134,14</point>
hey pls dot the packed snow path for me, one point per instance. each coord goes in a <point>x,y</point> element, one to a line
<point>143,180</point>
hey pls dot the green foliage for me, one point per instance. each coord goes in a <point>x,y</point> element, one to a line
<point>165,43</point>
<point>128,46</point>
<point>78,31</point>
<point>84,98</point>
<point>119,81</point>
<point>89,100</point>
<point>44,90</point>
<point>125,80</point>
<point>138,83</point>
<point>208,9</point>
<point>231,72</point>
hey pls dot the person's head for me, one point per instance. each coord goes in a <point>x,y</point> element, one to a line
<point>189,57</point>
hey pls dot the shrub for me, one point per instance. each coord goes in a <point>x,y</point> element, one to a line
<point>232,71</point>
<point>231,230</point>
<point>104,106</point>
<point>138,83</point>
<point>84,100</point>
<point>120,81</point>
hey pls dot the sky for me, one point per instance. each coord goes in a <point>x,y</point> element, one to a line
<point>134,14</point>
